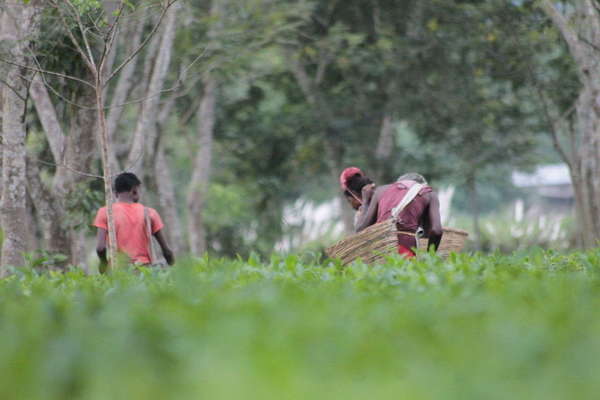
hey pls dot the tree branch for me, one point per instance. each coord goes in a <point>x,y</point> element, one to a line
<point>109,39</point>
<point>12,88</point>
<point>569,34</point>
<point>83,31</point>
<point>47,115</point>
<point>42,71</point>
<point>86,174</point>
<point>75,42</point>
<point>554,127</point>
<point>141,46</point>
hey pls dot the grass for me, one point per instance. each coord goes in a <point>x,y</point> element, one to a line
<point>525,326</point>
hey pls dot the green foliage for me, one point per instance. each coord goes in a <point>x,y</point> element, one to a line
<point>470,327</point>
<point>85,6</point>
<point>83,201</point>
<point>43,260</point>
<point>459,79</point>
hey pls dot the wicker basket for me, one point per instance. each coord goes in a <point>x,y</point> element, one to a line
<point>380,240</point>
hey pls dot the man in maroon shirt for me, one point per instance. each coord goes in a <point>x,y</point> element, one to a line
<point>423,211</point>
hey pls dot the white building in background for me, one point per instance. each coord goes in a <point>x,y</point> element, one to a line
<point>548,189</point>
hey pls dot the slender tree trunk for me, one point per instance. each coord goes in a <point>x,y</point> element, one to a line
<point>474,203</point>
<point>162,178</point>
<point>32,236</point>
<point>13,205</point>
<point>167,200</point>
<point>385,145</point>
<point>202,163</point>
<point>122,90</point>
<point>110,7</point>
<point>48,118</point>
<point>578,188</point>
<point>106,150</point>
<point>142,144</point>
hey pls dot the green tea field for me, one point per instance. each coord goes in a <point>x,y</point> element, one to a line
<point>472,327</point>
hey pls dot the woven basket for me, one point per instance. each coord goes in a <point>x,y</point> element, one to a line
<point>380,240</point>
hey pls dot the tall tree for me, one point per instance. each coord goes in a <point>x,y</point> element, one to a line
<point>18,30</point>
<point>144,139</point>
<point>206,117</point>
<point>579,23</point>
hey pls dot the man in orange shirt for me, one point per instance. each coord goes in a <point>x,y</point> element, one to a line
<point>130,225</point>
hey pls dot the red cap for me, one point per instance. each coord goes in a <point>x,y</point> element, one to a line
<point>347,174</point>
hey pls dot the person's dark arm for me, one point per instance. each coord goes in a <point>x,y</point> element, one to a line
<point>166,250</point>
<point>101,249</point>
<point>369,217</point>
<point>435,222</point>
<point>367,193</point>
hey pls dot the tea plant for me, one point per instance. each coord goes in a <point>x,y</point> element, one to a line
<point>524,326</point>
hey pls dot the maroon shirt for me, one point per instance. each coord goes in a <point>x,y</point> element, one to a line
<point>410,218</point>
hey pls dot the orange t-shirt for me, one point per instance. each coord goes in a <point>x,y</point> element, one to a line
<point>130,228</point>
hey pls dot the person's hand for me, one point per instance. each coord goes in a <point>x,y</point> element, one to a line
<point>169,257</point>
<point>103,266</point>
<point>367,193</point>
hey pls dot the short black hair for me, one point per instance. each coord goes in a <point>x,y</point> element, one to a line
<point>356,183</point>
<point>126,181</point>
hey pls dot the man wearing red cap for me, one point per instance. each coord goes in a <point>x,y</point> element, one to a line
<point>412,203</point>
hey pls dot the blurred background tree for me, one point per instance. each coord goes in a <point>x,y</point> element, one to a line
<point>237,110</point>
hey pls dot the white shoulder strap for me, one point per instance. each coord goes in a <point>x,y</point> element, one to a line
<point>148,227</point>
<point>408,197</point>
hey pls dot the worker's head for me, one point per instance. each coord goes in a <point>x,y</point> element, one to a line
<point>413,176</point>
<point>347,174</point>
<point>354,186</point>
<point>127,183</point>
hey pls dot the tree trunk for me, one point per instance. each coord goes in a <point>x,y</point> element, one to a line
<point>79,155</point>
<point>385,145</point>
<point>167,200</point>
<point>474,204</point>
<point>578,187</point>
<point>13,210</point>
<point>201,174</point>
<point>105,151</point>
<point>580,28</point>
<point>50,208</point>
<point>122,90</point>
<point>32,235</point>
<point>48,211</point>
<point>143,145</point>
<point>48,118</point>
<point>585,171</point>
<point>74,152</point>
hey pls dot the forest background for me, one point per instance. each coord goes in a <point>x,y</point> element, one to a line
<point>236,112</point>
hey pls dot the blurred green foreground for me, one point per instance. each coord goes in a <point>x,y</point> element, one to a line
<point>473,327</point>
